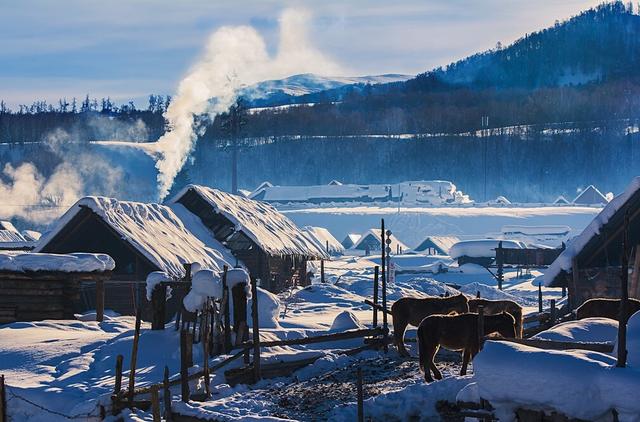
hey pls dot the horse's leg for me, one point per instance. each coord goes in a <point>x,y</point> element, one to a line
<point>399,327</point>
<point>466,357</point>
<point>432,365</point>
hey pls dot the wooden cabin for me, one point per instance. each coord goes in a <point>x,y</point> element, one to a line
<point>590,196</point>
<point>436,245</point>
<point>140,238</point>
<point>590,266</point>
<point>350,240</point>
<point>36,287</point>
<point>371,241</point>
<point>270,245</point>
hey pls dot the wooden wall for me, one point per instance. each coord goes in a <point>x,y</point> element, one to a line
<point>38,296</point>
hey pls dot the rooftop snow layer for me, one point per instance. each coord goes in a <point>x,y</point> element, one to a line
<point>481,248</point>
<point>263,224</point>
<point>322,237</point>
<point>153,230</point>
<point>68,263</point>
<point>11,236</point>
<point>443,242</point>
<point>563,261</point>
<point>376,233</point>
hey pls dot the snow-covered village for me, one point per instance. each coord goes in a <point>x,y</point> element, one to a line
<point>419,210</point>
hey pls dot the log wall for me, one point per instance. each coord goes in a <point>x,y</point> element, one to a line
<point>39,296</point>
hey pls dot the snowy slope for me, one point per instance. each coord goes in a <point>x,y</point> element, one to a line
<point>308,83</point>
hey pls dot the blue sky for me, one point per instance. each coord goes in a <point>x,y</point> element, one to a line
<point>127,49</point>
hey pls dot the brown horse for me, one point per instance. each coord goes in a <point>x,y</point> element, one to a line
<point>457,332</point>
<point>410,310</point>
<point>497,306</point>
<point>606,308</point>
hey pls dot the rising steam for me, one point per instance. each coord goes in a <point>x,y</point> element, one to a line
<point>234,57</point>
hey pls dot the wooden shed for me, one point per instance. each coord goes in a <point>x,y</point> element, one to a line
<point>36,286</point>
<point>371,241</point>
<point>590,266</point>
<point>437,245</point>
<point>140,238</point>
<point>270,245</point>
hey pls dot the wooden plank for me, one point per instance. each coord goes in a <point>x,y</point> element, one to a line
<point>134,355</point>
<point>99,300</point>
<point>557,345</point>
<point>345,335</point>
<point>256,329</point>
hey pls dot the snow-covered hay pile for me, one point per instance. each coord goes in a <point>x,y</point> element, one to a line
<point>584,330</point>
<point>153,230</point>
<point>264,225</point>
<point>66,263</point>
<point>580,384</point>
<point>268,309</point>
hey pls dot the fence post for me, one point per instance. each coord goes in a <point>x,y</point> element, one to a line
<point>385,327</point>
<point>155,403</point>
<point>480,326</point>
<point>564,291</point>
<point>227,316</point>
<point>477,294</point>
<point>118,387</point>
<point>540,297</point>
<point>158,305</point>
<point>167,395</point>
<point>375,296</point>
<point>3,400</point>
<point>256,329</point>
<point>624,296</point>
<point>360,396</point>
<point>500,262</point>
<point>554,312</point>
<point>322,270</point>
<point>99,300</point>
<point>205,353</point>
<point>134,354</point>
<point>184,366</point>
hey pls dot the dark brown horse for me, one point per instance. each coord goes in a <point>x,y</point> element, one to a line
<point>606,308</point>
<point>457,332</point>
<point>497,306</point>
<point>410,310</point>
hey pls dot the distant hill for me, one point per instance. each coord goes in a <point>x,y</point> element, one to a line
<point>285,91</point>
<point>583,70</point>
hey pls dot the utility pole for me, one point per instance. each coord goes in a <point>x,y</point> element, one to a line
<point>483,131</point>
<point>232,123</point>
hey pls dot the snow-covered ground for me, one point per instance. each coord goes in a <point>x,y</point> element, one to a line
<point>68,366</point>
<point>412,225</point>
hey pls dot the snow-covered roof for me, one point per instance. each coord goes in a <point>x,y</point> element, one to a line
<point>153,230</point>
<point>264,225</point>
<point>322,237</point>
<point>536,230</point>
<point>575,246</point>
<point>31,235</point>
<point>11,236</point>
<point>13,240</point>
<point>350,240</point>
<point>590,196</point>
<point>7,225</point>
<point>67,263</point>
<point>482,248</point>
<point>561,200</point>
<point>444,243</point>
<point>376,234</point>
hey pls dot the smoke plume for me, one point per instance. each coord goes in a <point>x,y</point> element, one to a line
<point>233,57</point>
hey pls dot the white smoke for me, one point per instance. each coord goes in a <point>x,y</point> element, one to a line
<point>34,197</point>
<point>233,57</point>
<point>80,171</point>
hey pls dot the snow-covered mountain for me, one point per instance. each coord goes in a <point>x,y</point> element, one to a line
<point>277,91</point>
